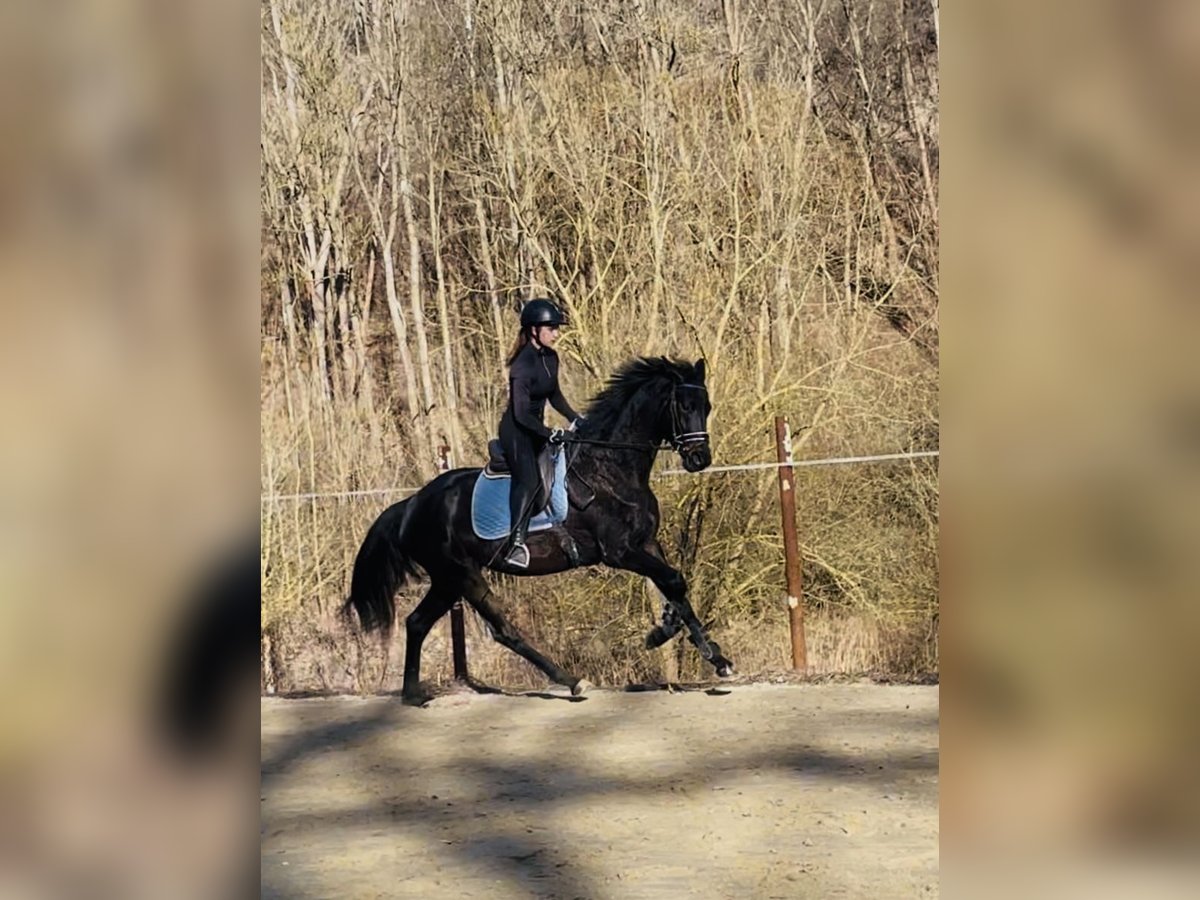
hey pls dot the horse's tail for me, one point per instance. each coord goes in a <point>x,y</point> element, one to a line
<point>381,567</point>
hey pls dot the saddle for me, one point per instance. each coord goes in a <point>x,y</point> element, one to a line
<point>579,492</point>
<point>490,510</point>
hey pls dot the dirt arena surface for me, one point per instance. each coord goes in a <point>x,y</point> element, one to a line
<point>746,791</point>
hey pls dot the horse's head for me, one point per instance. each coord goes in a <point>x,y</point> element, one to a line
<point>689,408</point>
<point>649,400</point>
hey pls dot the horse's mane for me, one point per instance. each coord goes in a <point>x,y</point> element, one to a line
<point>606,407</point>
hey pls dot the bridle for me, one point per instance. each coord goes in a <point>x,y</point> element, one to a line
<point>682,440</point>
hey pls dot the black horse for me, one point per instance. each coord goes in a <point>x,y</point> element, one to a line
<point>613,520</point>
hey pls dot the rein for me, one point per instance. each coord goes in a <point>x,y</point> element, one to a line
<point>616,445</point>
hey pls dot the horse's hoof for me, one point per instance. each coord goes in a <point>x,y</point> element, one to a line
<point>725,669</point>
<point>415,698</point>
<point>580,686</point>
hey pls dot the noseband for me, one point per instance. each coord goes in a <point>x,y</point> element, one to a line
<point>683,440</point>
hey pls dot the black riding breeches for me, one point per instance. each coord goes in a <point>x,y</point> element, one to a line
<point>521,449</point>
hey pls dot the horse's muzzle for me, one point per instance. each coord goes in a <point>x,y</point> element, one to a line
<point>697,458</point>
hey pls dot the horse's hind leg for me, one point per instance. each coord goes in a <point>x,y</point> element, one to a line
<point>434,605</point>
<point>477,593</point>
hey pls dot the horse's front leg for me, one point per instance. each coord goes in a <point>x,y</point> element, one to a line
<point>671,626</point>
<point>651,563</point>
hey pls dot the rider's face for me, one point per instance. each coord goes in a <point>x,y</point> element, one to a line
<point>546,335</point>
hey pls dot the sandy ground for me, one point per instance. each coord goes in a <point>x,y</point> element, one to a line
<point>738,792</point>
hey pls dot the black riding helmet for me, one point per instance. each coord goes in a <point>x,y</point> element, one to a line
<point>542,312</point>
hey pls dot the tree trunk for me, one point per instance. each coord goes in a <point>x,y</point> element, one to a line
<point>453,429</point>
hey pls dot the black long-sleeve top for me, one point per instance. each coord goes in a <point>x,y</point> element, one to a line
<point>532,380</point>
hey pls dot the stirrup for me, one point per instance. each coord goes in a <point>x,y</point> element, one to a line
<point>518,556</point>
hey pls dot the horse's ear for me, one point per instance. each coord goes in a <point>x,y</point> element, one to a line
<point>700,368</point>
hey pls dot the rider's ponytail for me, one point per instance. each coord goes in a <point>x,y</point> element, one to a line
<point>518,345</point>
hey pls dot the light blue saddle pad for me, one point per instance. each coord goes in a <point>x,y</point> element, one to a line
<point>489,503</point>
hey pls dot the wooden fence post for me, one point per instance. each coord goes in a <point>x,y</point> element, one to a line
<point>791,545</point>
<point>458,629</point>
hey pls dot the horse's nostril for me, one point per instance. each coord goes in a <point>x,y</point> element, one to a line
<point>696,458</point>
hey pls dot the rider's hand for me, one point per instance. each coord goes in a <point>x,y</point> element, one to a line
<point>578,423</point>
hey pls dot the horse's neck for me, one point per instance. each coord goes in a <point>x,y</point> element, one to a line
<point>637,424</point>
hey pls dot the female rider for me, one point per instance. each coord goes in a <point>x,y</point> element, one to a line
<point>532,380</point>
